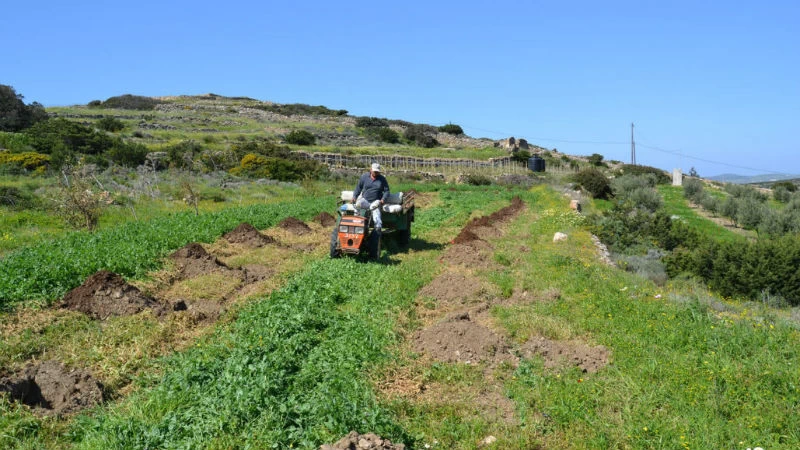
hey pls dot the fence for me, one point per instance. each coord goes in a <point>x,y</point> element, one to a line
<point>446,167</point>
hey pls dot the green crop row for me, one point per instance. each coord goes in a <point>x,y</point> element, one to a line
<point>48,270</point>
<point>288,374</point>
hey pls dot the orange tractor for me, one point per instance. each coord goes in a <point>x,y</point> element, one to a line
<point>354,233</point>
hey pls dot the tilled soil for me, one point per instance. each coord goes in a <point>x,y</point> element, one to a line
<point>454,288</point>
<point>564,353</point>
<point>461,340</point>
<point>247,235</point>
<point>193,260</point>
<point>475,254</point>
<point>325,219</point>
<point>295,226</point>
<point>369,441</point>
<point>50,389</point>
<point>106,294</point>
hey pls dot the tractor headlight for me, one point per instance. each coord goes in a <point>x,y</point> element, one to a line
<point>342,228</point>
<point>359,230</point>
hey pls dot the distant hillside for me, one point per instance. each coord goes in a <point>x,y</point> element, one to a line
<point>742,179</point>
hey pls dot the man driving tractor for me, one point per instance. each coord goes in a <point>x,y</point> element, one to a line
<point>371,192</point>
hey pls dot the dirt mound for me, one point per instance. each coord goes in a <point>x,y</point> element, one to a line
<point>247,235</point>
<point>560,353</point>
<point>325,219</point>
<point>473,254</point>
<point>50,389</point>
<point>193,260</point>
<point>485,225</point>
<point>461,340</point>
<point>454,288</point>
<point>252,273</point>
<point>295,226</point>
<point>370,441</point>
<point>107,294</point>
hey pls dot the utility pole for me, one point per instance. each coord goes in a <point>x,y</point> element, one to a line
<point>633,147</point>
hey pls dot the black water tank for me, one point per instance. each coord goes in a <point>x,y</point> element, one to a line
<point>536,163</point>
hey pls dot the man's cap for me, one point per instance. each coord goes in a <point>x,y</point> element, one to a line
<point>376,167</point>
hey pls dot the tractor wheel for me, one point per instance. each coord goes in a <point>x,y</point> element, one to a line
<point>374,246</point>
<point>335,252</point>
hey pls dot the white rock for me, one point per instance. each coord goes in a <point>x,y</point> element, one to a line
<point>489,440</point>
<point>559,237</point>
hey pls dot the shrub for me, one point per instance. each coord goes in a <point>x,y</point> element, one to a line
<point>521,156</point>
<point>451,128</point>
<point>297,109</point>
<point>14,197</point>
<point>388,135</point>
<point>781,194</point>
<point>63,135</point>
<point>111,124</point>
<point>477,180</point>
<point>281,169</point>
<point>128,101</point>
<point>129,155</point>
<point>182,154</point>
<point>421,135</point>
<point>788,185</point>
<point>749,212</point>
<point>662,177</point>
<point>371,122</point>
<point>593,181</point>
<point>301,137</point>
<point>27,160</point>
<point>693,189</point>
<point>15,115</point>
<point>596,159</point>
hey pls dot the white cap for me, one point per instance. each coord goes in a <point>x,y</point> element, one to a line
<point>376,167</point>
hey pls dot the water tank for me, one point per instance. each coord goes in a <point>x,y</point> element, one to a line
<point>536,163</point>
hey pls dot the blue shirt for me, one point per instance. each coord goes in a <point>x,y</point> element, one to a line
<point>377,189</point>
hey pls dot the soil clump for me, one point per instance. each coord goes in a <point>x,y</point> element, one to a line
<point>459,339</point>
<point>325,219</point>
<point>247,235</point>
<point>294,226</point>
<point>561,353</point>
<point>193,260</point>
<point>369,441</point>
<point>50,389</point>
<point>473,254</point>
<point>106,294</point>
<point>454,288</point>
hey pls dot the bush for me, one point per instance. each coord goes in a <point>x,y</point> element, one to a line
<point>132,102</point>
<point>596,159</point>
<point>281,169</point>
<point>371,122</point>
<point>301,137</point>
<point>27,161</point>
<point>521,156</point>
<point>693,189</point>
<point>15,198</point>
<point>300,109</point>
<point>421,135</point>
<point>788,185</point>
<point>662,177</point>
<point>388,135</point>
<point>182,154</point>
<point>781,194</point>
<point>15,115</point>
<point>749,212</point>
<point>477,180</point>
<point>593,181</point>
<point>111,124</point>
<point>451,128</point>
<point>59,135</point>
<point>129,155</point>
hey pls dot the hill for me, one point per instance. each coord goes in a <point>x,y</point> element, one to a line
<point>743,179</point>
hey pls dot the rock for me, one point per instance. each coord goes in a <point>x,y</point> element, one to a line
<point>489,440</point>
<point>558,237</point>
<point>575,205</point>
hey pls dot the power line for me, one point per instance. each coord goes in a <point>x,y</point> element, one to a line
<point>651,147</point>
<point>679,153</point>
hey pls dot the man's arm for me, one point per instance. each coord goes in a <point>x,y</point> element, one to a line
<point>359,187</point>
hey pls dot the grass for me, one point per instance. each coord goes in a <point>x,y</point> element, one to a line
<point>676,204</point>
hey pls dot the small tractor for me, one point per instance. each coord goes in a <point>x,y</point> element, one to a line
<point>354,233</point>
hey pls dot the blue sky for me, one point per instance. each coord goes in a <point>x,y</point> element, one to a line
<point>703,80</point>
